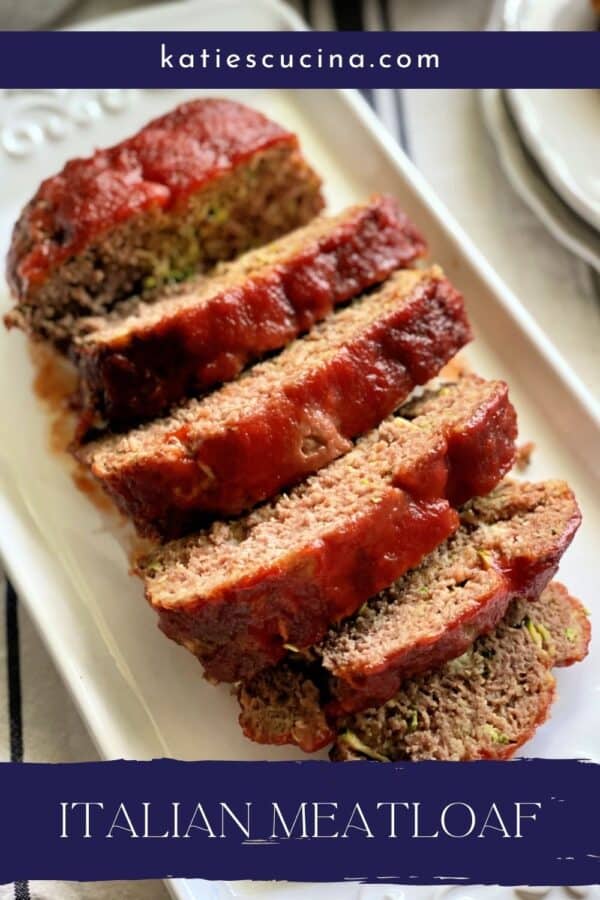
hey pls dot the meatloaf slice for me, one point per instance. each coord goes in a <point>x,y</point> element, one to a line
<point>135,367</point>
<point>203,183</point>
<point>236,594</point>
<point>485,704</point>
<point>508,546</point>
<point>286,417</point>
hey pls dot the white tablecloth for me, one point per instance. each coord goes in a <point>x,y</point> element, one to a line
<point>40,722</point>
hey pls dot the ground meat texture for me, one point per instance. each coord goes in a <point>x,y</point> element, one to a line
<point>508,546</point>
<point>135,367</point>
<point>198,185</point>
<point>236,594</point>
<point>459,592</point>
<point>483,705</point>
<point>287,417</point>
<point>283,705</point>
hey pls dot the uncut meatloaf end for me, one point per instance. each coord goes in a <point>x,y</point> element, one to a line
<point>237,593</point>
<point>508,546</point>
<point>487,703</point>
<point>201,184</point>
<point>287,417</point>
<point>136,367</point>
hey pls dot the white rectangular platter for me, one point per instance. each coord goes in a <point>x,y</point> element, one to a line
<point>140,695</point>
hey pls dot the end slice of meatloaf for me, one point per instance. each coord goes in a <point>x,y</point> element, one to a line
<point>201,184</point>
<point>286,417</point>
<point>135,367</point>
<point>236,594</point>
<point>485,704</point>
<point>508,546</point>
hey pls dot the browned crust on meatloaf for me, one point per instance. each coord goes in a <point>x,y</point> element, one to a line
<point>487,703</point>
<point>287,417</point>
<point>554,631</point>
<point>234,595</point>
<point>509,545</point>
<point>137,367</point>
<point>198,185</point>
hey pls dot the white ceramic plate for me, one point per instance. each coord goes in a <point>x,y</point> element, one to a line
<point>561,129</point>
<point>548,15</point>
<point>141,695</point>
<point>529,182</point>
<point>525,174</point>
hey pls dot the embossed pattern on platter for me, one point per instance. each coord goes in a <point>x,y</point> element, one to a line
<point>30,119</point>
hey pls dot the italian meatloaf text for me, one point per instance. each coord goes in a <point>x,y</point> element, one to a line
<point>287,417</point>
<point>236,594</point>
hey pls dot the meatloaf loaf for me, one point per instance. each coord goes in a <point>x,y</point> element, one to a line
<point>135,367</point>
<point>286,417</point>
<point>508,547</point>
<point>203,183</point>
<point>485,704</point>
<point>236,594</point>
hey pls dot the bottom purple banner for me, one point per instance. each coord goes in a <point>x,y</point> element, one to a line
<point>524,822</point>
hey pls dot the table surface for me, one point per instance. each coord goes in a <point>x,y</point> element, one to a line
<point>561,292</point>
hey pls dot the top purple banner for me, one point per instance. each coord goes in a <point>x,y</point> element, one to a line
<point>259,59</point>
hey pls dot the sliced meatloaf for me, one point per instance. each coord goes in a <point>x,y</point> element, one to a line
<point>286,417</point>
<point>135,367</point>
<point>203,183</point>
<point>508,546</point>
<point>236,594</point>
<point>483,705</point>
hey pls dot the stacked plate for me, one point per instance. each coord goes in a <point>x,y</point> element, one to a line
<point>548,141</point>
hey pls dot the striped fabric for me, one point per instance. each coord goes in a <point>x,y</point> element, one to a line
<point>38,720</point>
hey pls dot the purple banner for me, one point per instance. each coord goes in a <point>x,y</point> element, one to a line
<point>524,822</point>
<point>299,59</point>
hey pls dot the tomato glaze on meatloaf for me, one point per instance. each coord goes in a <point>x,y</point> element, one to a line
<point>508,546</point>
<point>487,703</point>
<point>201,184</point>
<point>287,417</point>
<point>236,594</point>
<point>135,367</point>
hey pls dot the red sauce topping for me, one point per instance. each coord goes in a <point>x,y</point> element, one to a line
<point>188,351</point>
<point>160,166</point>
<point>264,451</point>
<point>246,623</point>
